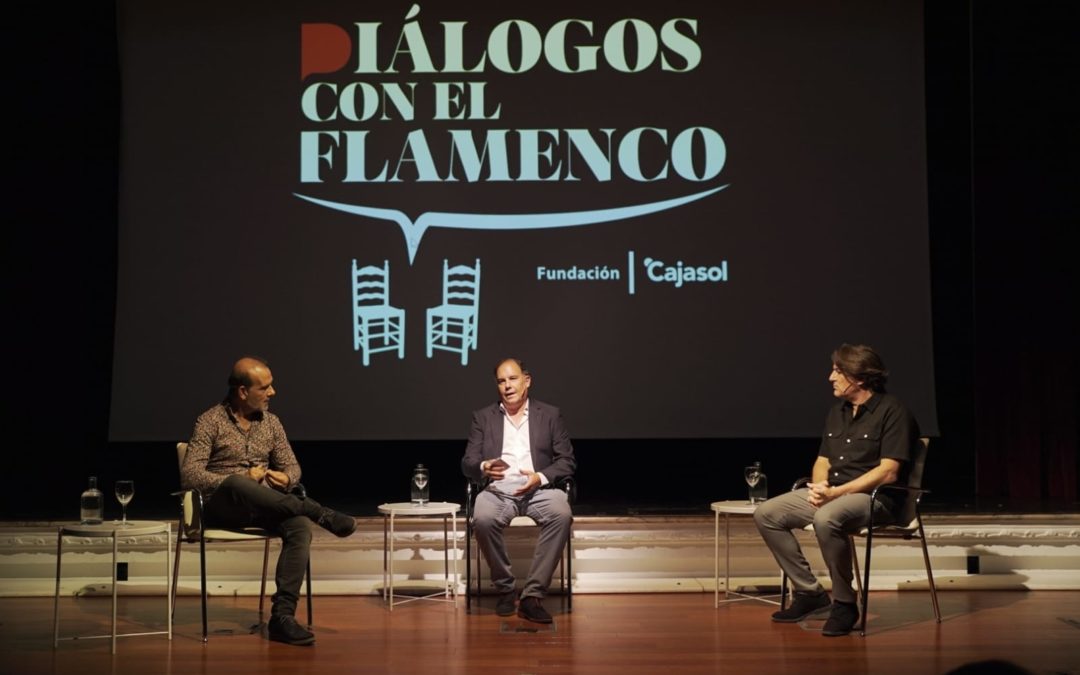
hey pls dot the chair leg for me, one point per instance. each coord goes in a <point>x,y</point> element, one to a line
<point>262,585</point>
<point>176,570</point>
<point>856,568</point>
<point>202,584</point>
<point>310,620</point>
<point>480,575</point>
<point>468,567</point>
<point>866,583</point>
<point>570,571</point>
<point>929,571</point>
<point>783,590</point>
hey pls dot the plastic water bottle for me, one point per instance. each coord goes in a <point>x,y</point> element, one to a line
<point>92,504</point>
<point>420,485</point>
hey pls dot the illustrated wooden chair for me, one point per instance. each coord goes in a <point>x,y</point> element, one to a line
<point>377,326</point>
<point>454,325</point>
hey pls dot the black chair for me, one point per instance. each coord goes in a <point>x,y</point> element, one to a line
<point>566,583</point>
<point>190,530</point>
<point>908,526</point>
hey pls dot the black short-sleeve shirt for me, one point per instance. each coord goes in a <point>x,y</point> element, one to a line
<point>883,428</point>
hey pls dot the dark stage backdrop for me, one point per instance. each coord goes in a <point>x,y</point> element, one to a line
<point>675,211</point>
<point>1000,127</point>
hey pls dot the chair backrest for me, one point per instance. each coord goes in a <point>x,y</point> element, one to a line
<point>915,476</point>
<point>461,284</point>
<point>181,453</point>
<point>190,522</point>
<point>371,285</point>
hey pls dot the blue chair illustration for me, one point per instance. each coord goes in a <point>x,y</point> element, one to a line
<point>377,327</point>
<point>453,325</point>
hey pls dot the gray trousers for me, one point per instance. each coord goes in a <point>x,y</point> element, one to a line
<point>494,511</point>
<point>777,517</point>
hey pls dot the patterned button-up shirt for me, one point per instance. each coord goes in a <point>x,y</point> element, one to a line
<point>219,448</point>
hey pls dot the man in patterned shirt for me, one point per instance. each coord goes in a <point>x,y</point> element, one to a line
<point>241,462</point>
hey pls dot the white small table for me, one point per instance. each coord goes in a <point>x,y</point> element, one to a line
<point>116,531</point>
<point>729,508</point>
<point>447,510</point>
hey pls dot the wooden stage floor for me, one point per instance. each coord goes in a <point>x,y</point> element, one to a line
<point>624,634</point>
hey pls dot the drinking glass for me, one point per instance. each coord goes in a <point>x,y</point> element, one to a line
<point>125,490</point>
<point>752,474</point>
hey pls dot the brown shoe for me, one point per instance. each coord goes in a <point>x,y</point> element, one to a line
<point>531,609</point>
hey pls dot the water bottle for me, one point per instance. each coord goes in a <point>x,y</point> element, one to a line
<point>92,504</point>
<point>420,485</point>
<point>759,489</point>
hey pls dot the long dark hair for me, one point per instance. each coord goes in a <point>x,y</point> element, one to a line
<point>860,363</point>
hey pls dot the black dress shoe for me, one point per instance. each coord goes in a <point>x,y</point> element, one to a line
<point>531,609</point>
<point>337,522</point>
<point>283,628</point>
<point>506,606</point>
<point>842,619</point>
<point>802,606</point>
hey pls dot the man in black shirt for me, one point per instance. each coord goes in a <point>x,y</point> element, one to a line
<point>868,441</point>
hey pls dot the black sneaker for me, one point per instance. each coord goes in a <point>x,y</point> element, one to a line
<point>802,606</point>
<point>337,522</point>
<point>842,619</point>
<point>283,628</point>
<point>531,609</point>
<point>506,606</point>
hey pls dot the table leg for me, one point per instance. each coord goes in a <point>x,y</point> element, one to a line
<point>716,560</point>
<point>385,520</point>
<point>391,561</point>
<point>446,560</point>
<point>727,555</point>
<point>56,598</point>
<point>457,579</point>
<point>168,575</point>
<point>114,550</point>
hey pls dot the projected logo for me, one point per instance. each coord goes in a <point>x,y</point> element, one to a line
<point>451,326</point>
<point>355,88</point>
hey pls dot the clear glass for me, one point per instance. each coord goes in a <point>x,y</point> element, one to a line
<point>125,491</point>
<point>753,474</point>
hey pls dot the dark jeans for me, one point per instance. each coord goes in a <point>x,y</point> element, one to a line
<point>241,502</point>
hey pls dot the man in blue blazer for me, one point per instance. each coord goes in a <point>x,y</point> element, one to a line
<point>519,447</point>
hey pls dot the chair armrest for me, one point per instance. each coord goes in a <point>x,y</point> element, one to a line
<point>910,491</point>
<point>299,490</point>
<point>902,488</point>
<point>472,489</point>
<point>568,485</point>
<point>801,483</point>
<point>917,493</point>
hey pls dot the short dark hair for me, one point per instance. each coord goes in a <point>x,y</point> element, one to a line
<point>520,364</point>
<point>860,363</point>
<point>242,378</point>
